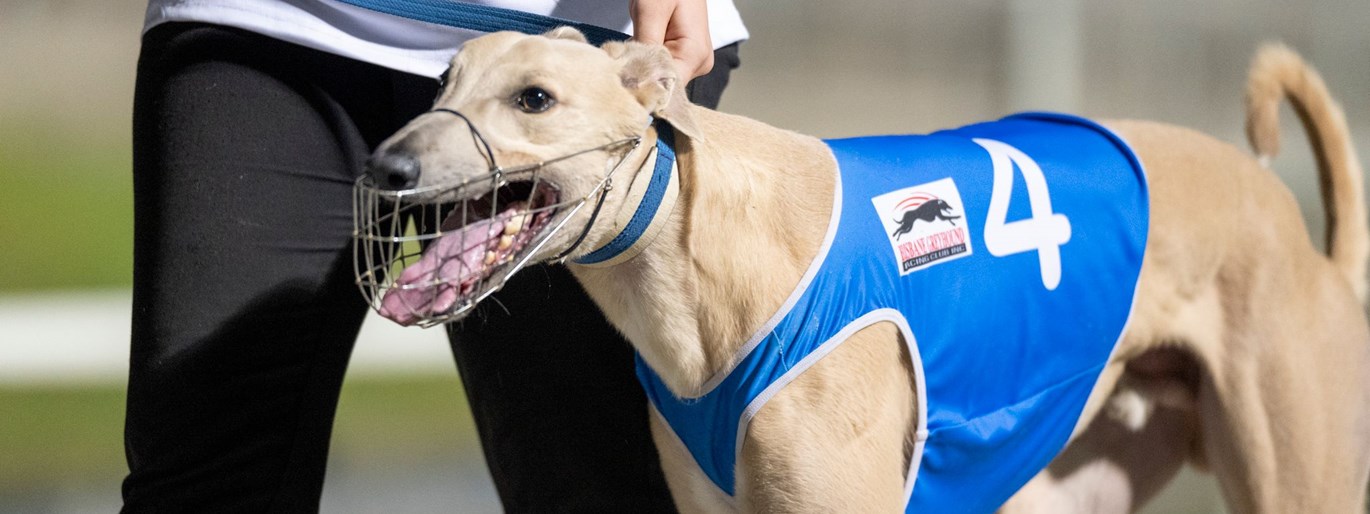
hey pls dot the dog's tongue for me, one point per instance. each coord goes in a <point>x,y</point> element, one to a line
<point>449,267</point>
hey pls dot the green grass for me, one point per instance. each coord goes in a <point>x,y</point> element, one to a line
<point>66,209</point>
<point>403,418</point>
<point>60,435</point>
<point>74,435</point>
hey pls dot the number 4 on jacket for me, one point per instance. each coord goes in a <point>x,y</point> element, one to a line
<point>1044,232</point>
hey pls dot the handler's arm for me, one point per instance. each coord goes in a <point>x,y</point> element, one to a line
<point>681,25</point>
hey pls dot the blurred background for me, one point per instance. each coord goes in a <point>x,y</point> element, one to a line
<point>404,440</point>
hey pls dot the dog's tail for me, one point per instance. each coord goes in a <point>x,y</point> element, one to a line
<point>1278,73</point>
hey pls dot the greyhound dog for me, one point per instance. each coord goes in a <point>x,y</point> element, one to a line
<point>1245,350</point>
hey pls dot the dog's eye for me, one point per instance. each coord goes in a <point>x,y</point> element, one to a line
<point>534,100</point>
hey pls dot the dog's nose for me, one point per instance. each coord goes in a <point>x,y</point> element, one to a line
<point>394,170</point>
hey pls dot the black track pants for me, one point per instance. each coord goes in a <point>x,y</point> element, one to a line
<point>245,151</point>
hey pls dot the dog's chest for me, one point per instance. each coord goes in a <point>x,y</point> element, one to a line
<point>1007,253</point>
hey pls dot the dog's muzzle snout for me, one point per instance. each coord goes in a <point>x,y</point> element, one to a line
<point>428,254</point>
<point>395,171</point>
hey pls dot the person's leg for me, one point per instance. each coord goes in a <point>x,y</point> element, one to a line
<point>562,419</point>
<point>245,310</point>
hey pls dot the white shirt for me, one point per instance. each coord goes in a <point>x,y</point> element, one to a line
<point>395,42</point>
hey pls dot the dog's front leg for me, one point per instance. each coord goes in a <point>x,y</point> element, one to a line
<point>691,489</point>
<point>837,438</point>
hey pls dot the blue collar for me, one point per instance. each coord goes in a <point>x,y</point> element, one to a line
<point>656,204</point>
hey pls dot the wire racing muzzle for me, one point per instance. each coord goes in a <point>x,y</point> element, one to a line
<point>428,255</point>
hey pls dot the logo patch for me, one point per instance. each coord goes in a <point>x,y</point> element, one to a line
<point>925,224</point>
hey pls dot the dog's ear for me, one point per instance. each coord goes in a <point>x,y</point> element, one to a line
<point>648,72</point>
<point>566,32</point>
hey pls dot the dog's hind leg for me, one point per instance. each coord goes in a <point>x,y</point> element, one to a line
<point>1284,356</point>
<point>1285,411</point>
<point>1143,436</point>
<point>1283,414</point>
<point>1275,328</point>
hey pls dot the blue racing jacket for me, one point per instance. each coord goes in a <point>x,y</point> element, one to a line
<point>1007,254</point>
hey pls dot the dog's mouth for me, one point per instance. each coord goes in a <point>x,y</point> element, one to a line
<point>480,238</point>
<point>465,239</point>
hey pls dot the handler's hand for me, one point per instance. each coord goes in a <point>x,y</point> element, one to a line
<point>681,25</point>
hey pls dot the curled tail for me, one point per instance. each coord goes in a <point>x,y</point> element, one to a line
<point>1278,73</point>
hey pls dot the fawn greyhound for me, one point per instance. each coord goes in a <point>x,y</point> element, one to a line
<point>1233,344</point>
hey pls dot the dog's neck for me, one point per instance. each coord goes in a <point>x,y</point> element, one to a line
<point>647,202</point>
<point>754,204</point>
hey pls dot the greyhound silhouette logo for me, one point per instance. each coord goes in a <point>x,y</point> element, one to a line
<point>925,224</point>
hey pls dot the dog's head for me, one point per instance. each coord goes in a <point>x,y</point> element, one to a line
<point>519,144</point>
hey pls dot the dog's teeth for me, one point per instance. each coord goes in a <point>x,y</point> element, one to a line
<point>489,258</point>
<point>505,242</point>
<point>514,225</point>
